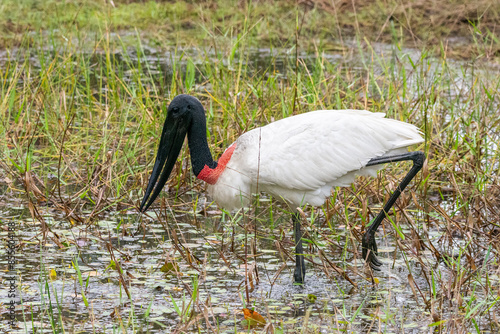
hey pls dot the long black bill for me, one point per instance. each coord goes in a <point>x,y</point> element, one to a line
<point>172,138</point>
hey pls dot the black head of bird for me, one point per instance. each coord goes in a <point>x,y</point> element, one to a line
<point>185,116</point>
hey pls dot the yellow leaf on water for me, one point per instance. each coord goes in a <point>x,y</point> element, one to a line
<point>52,274</point>
<point>253,318</point>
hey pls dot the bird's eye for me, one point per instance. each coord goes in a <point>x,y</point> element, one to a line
<point>175,110</point>
<point>189,107</point>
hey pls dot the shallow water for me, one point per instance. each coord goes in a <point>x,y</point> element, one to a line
<point>389,306</point>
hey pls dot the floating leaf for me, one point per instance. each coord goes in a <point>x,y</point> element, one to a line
<point>311,298</point>
<point>52,275</point>
<point>253,318</point>
<point>375,280</point>
<point>168,267</point>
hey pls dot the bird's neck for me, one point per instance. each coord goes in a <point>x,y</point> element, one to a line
<point>198,147</point>
<point>204,167</point>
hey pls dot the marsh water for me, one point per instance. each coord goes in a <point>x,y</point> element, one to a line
<point>132,272</point>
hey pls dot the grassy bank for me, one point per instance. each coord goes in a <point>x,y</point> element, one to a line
<point>458,25</point>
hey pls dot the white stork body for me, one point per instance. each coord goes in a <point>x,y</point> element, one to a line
<point>297,160</point>
<point>300,159</point>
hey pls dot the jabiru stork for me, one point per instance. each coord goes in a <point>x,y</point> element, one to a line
<point>298,160</point>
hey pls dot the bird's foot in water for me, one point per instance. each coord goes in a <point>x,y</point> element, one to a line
<point>370,253</point>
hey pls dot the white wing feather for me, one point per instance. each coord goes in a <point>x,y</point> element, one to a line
<point>300,158</point>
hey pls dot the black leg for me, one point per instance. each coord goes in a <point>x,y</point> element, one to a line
<point>369,245</point>
<point>300,267</point>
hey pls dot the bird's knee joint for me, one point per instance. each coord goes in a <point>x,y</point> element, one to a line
<point>419,159</point>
